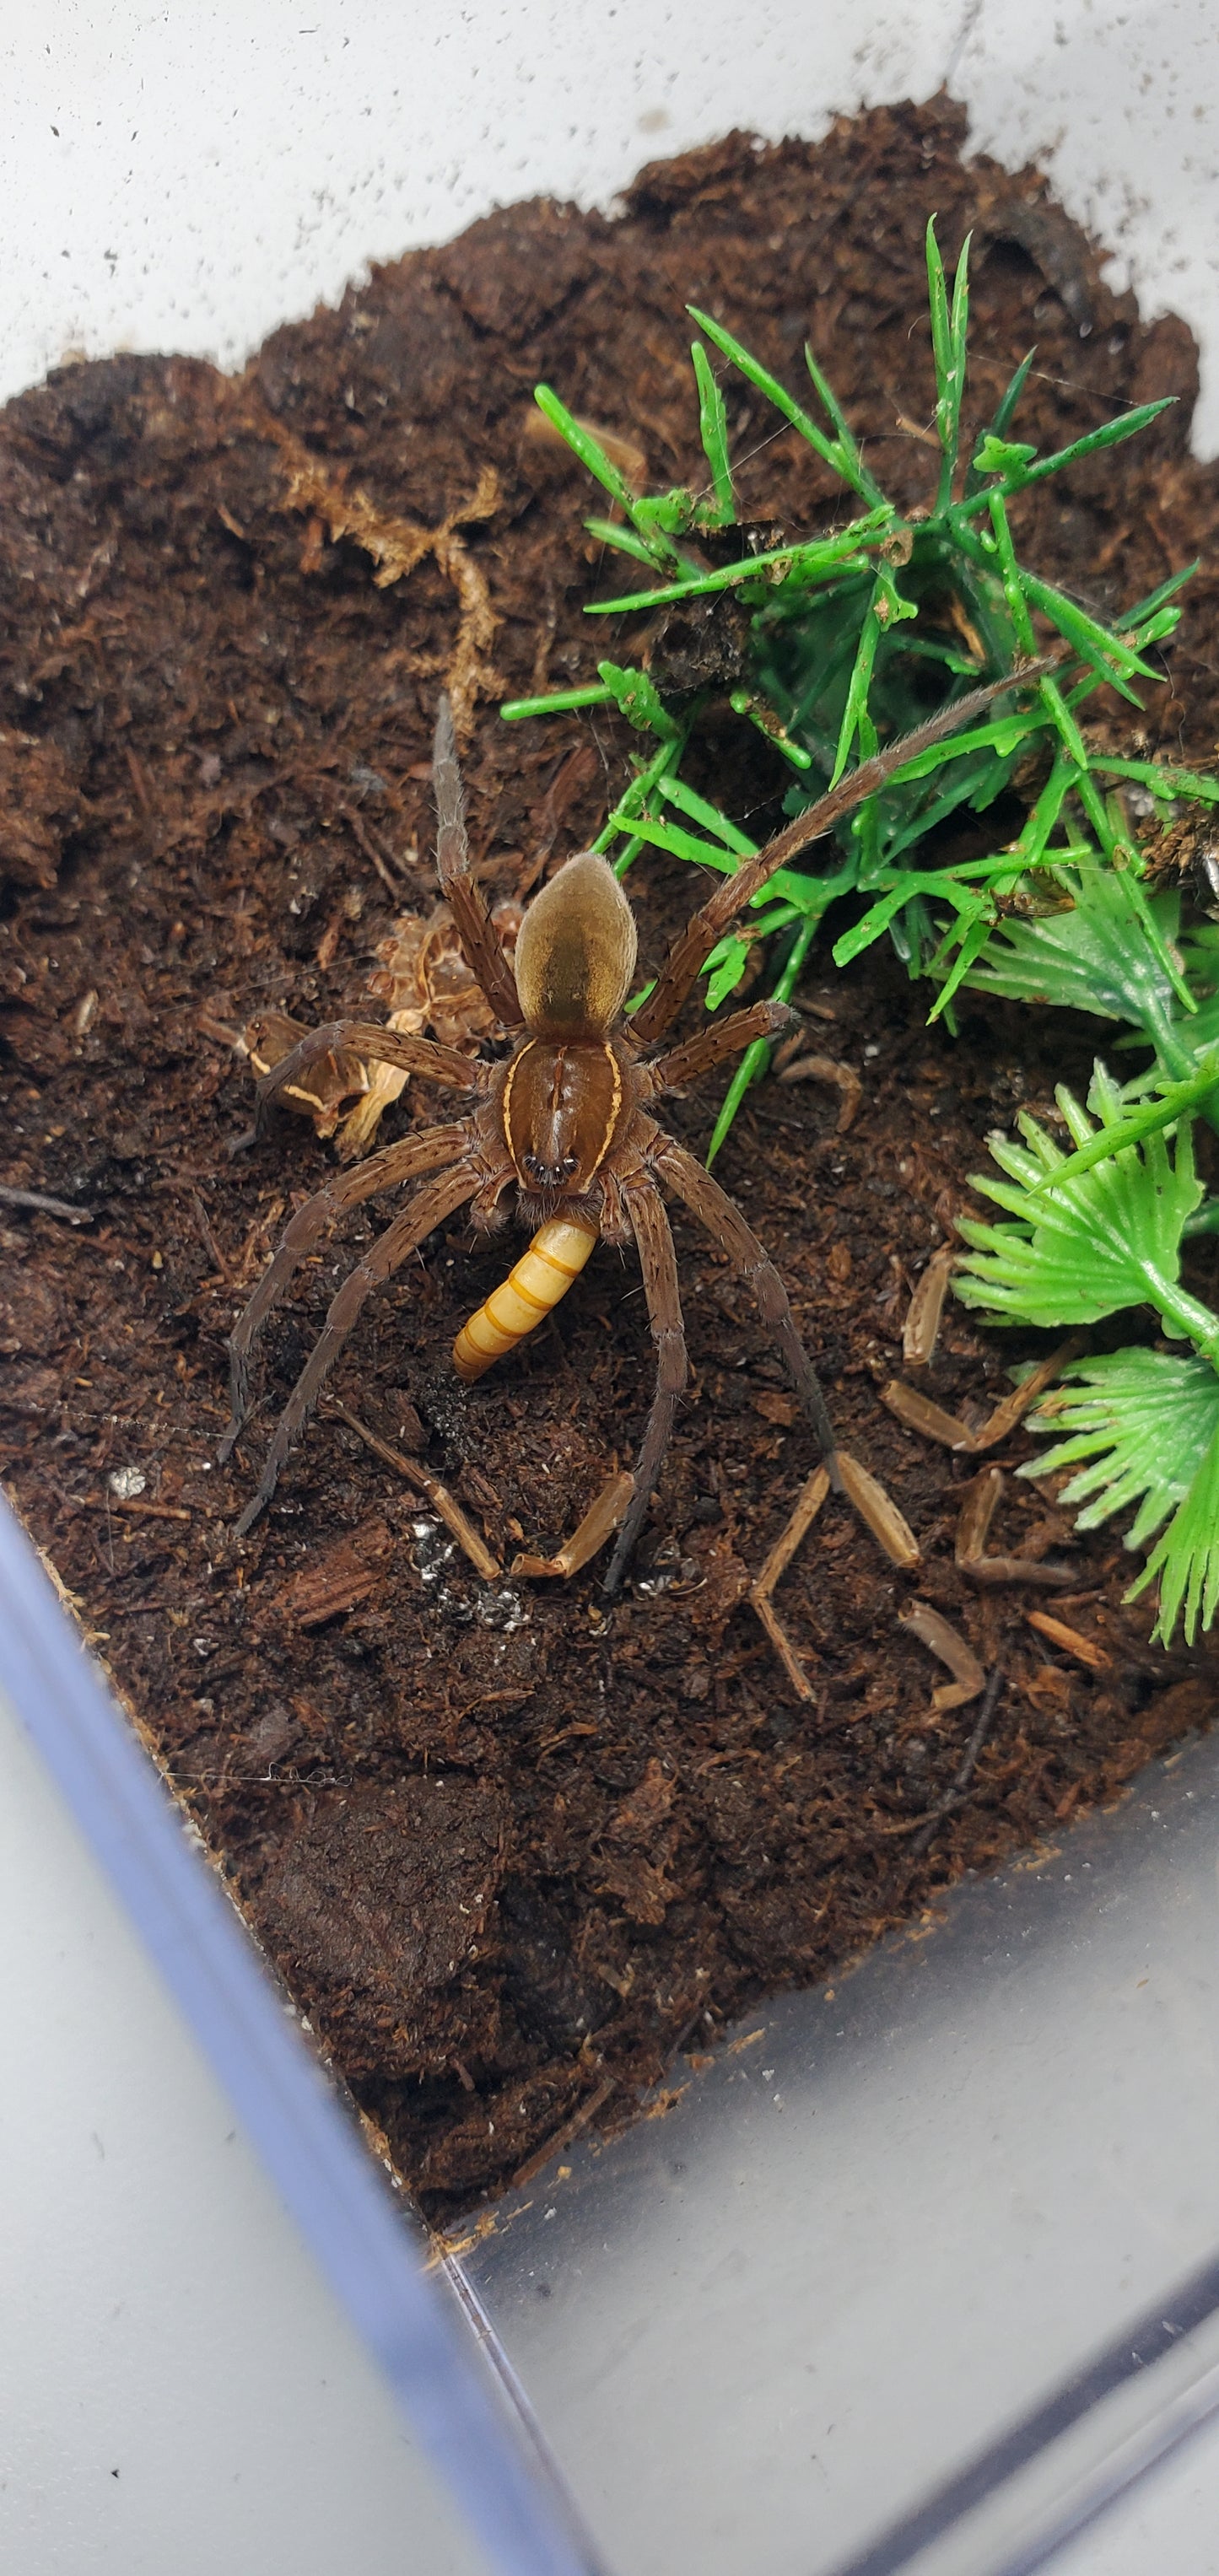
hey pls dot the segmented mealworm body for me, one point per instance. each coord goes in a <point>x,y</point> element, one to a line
<point>555,1257</point>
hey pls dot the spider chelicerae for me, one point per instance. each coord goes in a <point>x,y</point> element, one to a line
<point>561,1129</point>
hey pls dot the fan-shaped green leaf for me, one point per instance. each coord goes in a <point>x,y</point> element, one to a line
<point>1138,1425</point>
<point>1093,957</point>
<point>1082,1248</point>
<point>1186,1558</point>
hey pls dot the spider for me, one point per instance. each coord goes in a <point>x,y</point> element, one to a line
<point>562,1125</point>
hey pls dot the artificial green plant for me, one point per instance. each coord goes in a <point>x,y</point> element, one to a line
<point>849,640</point>
<point>837,644</point>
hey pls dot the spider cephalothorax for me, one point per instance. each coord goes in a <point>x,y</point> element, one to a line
<point>562,1123</point>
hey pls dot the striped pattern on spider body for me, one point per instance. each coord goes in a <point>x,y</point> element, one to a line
<point>560,1131</point>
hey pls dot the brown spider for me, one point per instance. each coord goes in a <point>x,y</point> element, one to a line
<point>563,1123</point>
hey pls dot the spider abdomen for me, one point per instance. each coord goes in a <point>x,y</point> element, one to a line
<point>561,1109</point>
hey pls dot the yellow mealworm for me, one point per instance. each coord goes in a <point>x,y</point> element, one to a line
<point>543,1274</point>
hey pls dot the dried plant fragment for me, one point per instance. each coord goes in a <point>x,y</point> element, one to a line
<point>919,1414</point>
<point>809,1502</point>
<point>978,1510</point>
<point>396,545</point>
<point>942,1639</point>
<point>877,1509</point>
<point>332,1080</point>
<point>1072,1641</point>
<point>444,1504</point>
<point>826,1068</point>
<point>1014,1406</point>
<point>541,434</point>
<point>922,1326</point>
<point>599,1523</point>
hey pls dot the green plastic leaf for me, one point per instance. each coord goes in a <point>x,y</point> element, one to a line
<point>1085,1247</point>
<point>1186,1558</point>
<point>1000,455</point>
<point>638,700</point>
<point>1142,1427</point>
<point>1092,957</point>
<point>843,458</point>
<point>725,969</point>
<point>1175,1099</point>
<point>1137,1424</point>
<point>713,430</point>
<point>624,540</point>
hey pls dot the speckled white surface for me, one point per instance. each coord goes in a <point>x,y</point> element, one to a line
<point>187,178</point>
<point>179,2393</point>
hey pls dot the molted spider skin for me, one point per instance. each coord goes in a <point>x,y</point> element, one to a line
<point>562,1127</point>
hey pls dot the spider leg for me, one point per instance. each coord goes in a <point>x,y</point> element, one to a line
<point>697,940</point>
<point>427,1209</point>
<point>369,1038</point>
<point>701,1053</point>
<point>650,1223</point>
<point>727,1227</point>
<point>404,1161</point>
<point>484,955</point>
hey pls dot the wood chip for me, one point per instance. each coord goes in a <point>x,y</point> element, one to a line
<point>599,1523</point>
<point>880,1512</point>
<point>1072,1641</point>
<point>336,1581</point>
<point>922,1326</point>
<point>942,1639</point>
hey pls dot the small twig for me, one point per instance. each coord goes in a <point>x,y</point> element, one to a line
<point>44,1206</point>
<point>443,1502</point>
<point>879,1513</point>
<point>1073,1642</point>
<point>956,1795</point>
<point>567,2130</point>
<point>209,1240</point>
<point>360,832</point>
<point>978,1509</point>
<point>811,1498</point>
<point>826,1068</point>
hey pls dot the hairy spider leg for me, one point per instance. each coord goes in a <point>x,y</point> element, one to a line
<point>405,1161</point>
<point>543,1274</point>
<point>428,1209</point>
<point>727,1227</point>
<point>692,948</point>
<point>709,1046</point>
<point>658,1262</point>
<point>480,941</point>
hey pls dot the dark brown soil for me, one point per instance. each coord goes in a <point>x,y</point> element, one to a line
<point>510,1854</point>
